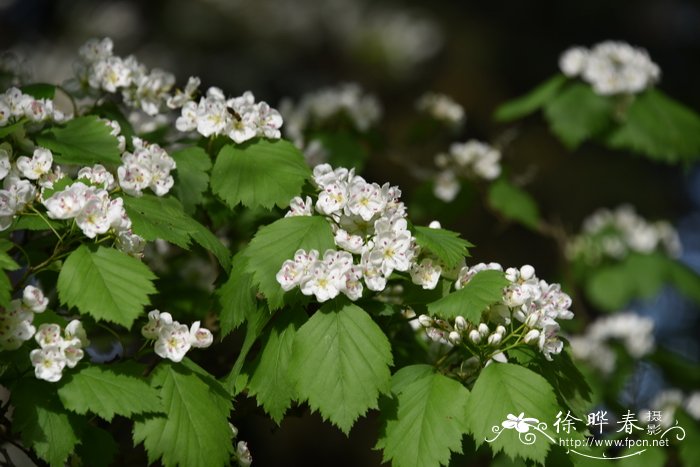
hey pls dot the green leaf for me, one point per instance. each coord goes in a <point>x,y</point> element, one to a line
<point>502,389</point>
<point>484,289</point>
<point>445,244</point>
<point>236,296</point>
<point>39,90</point>
<point>530,102</point>
<point>98,448</point>
<point>195,431</point>
<point>259,173</point>
<point>83,141</point>
<point>612,287</point>
<point>154,217</point>
<point>42,422</point>
<point>105,283</point>
<point>660,128</point>
<point>689,449</point>
<point>514,203</point>
<point>275,243</point>
<point>270,381</point>
<point>577,114</point>
<point>430,418</point>
<point>8,130</point>
<point>193,165</point>
<point>107,393</point>
<point>34,222</point>
<point>340,363</point>
<point>6,264</point>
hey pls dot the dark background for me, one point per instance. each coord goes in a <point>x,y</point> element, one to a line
<point>488,52</point>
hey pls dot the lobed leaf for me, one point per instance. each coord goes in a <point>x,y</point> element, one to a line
<point>236,296</point>
<point>193,165</point>
<point>105,283</point>
<point>445,244</point>
<point>484,289</point>
<point>82,141</point>
<point>340,363</point>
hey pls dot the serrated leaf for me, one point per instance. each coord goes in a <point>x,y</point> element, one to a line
<point>430,418</point>
<point>83,141</point>
<point>275,243</point>
<point>42,422</point>
<point>105,283</point>
<point>577,114</point>
<point>236,296</point>
<point>514,203</point>
<point>660,128</point>
<point>259,173</point>
<point>445,244</point>
<point>154,217</point>
<point>193,165</point>
<point>270,381</point>
<point>530,102</point>
<point>484,289</point>
<point>502,389</point>
<point>340,363</point>
<point>106,393</point>
<point>195,431</point>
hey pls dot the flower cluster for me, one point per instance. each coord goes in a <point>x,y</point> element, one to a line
<point>149,166</point>
<point>442,108</point>
<point>611,67</point>
<point>16,320</point>
<point>15,105</point>
<point>239,118</point>
<point>17,181</point>
<point>57,351</point>
<point>469,160</point>
<point>369,223</point>
<point>174,340</point>
<point>636,333</point>
<point>347,99</point>
<point>528,300</point>
<point>140,88</point>
<point>614,234</point>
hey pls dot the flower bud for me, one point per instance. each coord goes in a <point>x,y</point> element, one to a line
<point>501,330</point>
<point>425,321</point>
<point>435,225</point>
<point>460,323</point>
<point>519,315</point>
<point>531,336</point>
<point>474,336</point>
<point>455,337</point>
<point>531,320</point>
<point>494,339</point>
<point>527,272</point>
<point>483,329</point>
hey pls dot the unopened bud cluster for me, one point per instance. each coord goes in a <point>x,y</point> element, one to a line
<point>174,340</point>
<point>616,233</point>
<point>611,67</point>
<point>470,160</point>
<point>527,313</point>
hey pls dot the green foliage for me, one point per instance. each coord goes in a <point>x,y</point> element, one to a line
<point>514,203</point>
<point>532,101</point>
<point>236,296</point>
<point>445,244</point>
<point>275,243</point>
<point>106,393</point>
<point>344,149</point>
<point>259,173</point>
<point>340,363</point>
<point>429,421</point>
<point>504,389</point>
<point>612,287</point>
<point>39,90</point>
<point>83,140</point>
<point>270,380</point>
<point>153,217</point>
<point>484,289</point>
<point>193,165</point>
<point>577,114</point>
<point>6,264</point>
<point>659,128</point>
<point>97,447</point>
<point>43,423</point>
<point>195,431</point>
<point>105,283</point>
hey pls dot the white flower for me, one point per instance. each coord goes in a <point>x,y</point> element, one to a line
<point>300,207</point>
<point>38,165</point>
<point>365,199</point>
<point>173,342</point>
<point>426,274</point>
<point>441,107</point>
<point>333,198</point>
<point>324,282</point>
<point>49,335</point>
<point>34,299</point>
<point>156,321</point>
<point>98,175</point>
<point>298,270</point>
<point>446,186</point>
<point>573,61</point>
<point>4,161</point>
<point>200,337</point>
<point>75,331</point>
<point>243,455</point>
<point>351,243</point>
<point>49,362</point>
